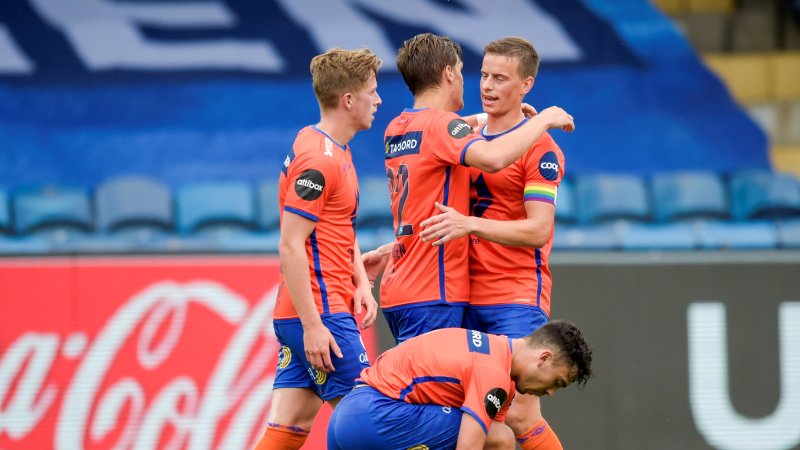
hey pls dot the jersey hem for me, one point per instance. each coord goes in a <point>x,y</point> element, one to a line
<point>425,303</point>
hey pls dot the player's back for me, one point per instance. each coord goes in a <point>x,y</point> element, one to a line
<point>501,274</point>
<point>425,164</point>
<point>451,367</point>
<point>318,182</point>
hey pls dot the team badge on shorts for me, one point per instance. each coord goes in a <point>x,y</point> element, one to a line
<point>319,376</point>
<point>285,357</point>
<point>419,447</point>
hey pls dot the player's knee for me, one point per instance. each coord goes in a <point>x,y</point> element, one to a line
<point>500,437</point>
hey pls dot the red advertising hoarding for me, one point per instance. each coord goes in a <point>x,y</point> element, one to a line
<point>145,353</point>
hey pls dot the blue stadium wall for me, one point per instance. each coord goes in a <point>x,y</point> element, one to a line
<point>188,91</point>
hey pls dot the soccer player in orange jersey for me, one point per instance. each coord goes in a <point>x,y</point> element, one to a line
<point>452,387</point>
<point>429,150</point>
<point>512,224</point>
<point>323,281</point>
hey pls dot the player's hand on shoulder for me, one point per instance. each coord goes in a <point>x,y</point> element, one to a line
<point>528,110</point>
<point>556,117</point>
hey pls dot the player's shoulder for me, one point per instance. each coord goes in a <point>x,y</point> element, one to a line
<point>313,146</point>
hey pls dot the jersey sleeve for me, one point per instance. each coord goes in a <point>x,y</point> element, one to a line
<point>544,170</point>
<point>487,394</point>
<point>311,178</point>
<point>451,136</point>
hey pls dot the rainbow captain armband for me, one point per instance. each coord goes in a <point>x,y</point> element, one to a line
<point>541,192</point>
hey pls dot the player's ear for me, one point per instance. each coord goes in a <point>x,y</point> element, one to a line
<point>527,85</point>
<point>448,74</point>
<point>545,356</point>
<point>347,100</point>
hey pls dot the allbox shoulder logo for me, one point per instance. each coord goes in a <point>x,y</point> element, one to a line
<point>459,129</point>
<point>494,401</point>
<point>548,166</point>
<point>310,184</point>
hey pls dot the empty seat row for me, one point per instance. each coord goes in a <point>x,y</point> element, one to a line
<point>139,213</point>
<point>691,210</point>
<point>676,211</point>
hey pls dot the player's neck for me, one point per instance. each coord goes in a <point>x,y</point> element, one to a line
<point>435,98</point>
<point>338,128</point>
<point>499,124</point>
<point>518,347</point>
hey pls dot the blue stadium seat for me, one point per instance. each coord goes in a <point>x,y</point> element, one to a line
<point>133,201</point>
<point>52,208</point>
<point>565,203</point>
<point>671,236</point>
<point>269,214</point>
<point>586,237</point>
<point>50,218</point>
<point>134,212</point>
<point>5,217</point>
<point>16,245</point>
<point>374,205</point>
<point>604,198</point>
<point>689,195</point>
<point>737,235</point>
<point>761,194</point>
<point>215,207</point>
<point>789,233</point>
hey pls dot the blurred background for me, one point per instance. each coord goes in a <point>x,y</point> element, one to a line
<point>140,147</point>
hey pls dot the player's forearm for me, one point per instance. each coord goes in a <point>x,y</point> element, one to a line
<point>517,233</point>
<point>298,281</point>
<point>511,146</point>
<point>359,273</point>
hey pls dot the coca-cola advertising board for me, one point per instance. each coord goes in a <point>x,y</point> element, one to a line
<point>139,353</point>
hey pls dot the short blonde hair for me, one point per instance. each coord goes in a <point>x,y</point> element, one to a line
<point>517,48</point>
<point>339,71</point>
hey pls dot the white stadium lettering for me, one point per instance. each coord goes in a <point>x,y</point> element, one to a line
<point>106,35</point>
<point>12,60</point>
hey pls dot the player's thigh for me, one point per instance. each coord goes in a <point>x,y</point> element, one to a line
<point>410,426</point>
<point>353,425</point>
<point>294,407</point>
<point>524,412</point>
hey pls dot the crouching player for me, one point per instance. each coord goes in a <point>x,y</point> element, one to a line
<point>451,388</point>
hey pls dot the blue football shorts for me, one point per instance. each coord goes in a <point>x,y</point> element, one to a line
<point>514,321</point>
<point>365,419</point>
<point>406,323</point>
<point>294,370</point>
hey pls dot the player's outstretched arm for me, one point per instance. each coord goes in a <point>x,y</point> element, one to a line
<point>497,154</point>
<point>533,231</point>
<point>362,297</point>
<point>471,435</point>
<point>317,339</point>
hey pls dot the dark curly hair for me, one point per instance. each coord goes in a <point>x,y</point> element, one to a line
<point>568,343</point>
